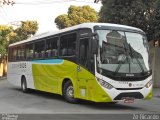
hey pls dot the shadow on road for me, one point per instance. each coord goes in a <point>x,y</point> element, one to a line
<point>41,94</point>
<point>110,106</point>
<point>87,104</point>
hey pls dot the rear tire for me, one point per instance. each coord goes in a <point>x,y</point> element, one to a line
<point>24,85</point>
<point>68,92</point>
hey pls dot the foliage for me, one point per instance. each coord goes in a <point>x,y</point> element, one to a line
<point>76,15</point>
<point>5,35</point>
<point>9,35</point>
<point>137,13</point>
<point>157,20</point>
<point>25,31</point>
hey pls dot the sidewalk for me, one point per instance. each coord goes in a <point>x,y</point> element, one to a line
<point>2,78</point>
<point>156,92</point>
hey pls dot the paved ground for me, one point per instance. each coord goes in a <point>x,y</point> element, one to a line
<point>12,100</point>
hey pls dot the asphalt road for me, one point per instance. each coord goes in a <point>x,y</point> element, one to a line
<point>12,100</point>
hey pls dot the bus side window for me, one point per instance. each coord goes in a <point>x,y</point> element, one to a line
<point>68,44</point>
<point>29,51</point>
<point>51,47</point>
<point>21,52</point>
<point>12,53</point>
<point>84,52</point>
<point>39,50</point>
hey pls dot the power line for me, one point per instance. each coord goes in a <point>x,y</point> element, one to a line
<point>7,2</point>
<point>5,13</point>
<point>4,16</point>
<point>42,2</point>
<point>97,1</point>
<point>51,2</point>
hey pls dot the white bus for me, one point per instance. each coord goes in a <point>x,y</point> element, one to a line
<point>98,62</point>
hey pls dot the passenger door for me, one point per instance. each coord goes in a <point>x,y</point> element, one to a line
<point>83,67</point>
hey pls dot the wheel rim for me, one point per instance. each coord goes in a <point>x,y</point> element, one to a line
<point>70,91</point>
<point>23,86</point>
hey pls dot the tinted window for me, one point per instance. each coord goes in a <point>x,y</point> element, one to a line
<point>51,47</point>
<point>12,53</point>
<point>21,52</point>
<point>29,51</point>
<point>39,50</point>
<point>84,52</point>
<point>68,44</point>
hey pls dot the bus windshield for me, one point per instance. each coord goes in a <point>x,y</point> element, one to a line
<point>122,53</point>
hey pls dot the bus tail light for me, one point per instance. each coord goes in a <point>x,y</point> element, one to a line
<point>104,83</point>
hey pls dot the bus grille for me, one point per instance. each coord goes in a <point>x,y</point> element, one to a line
<point>128,88</point>
<point>136,95</point>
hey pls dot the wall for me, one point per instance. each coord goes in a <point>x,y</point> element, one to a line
<point>156,75</point>
<point>155,62</point>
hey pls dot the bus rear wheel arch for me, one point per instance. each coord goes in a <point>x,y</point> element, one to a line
<point>68,91</point>
<point>24,87</point>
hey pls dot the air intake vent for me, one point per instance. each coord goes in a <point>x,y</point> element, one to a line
<point>129,88</point>
<point>136,95</point>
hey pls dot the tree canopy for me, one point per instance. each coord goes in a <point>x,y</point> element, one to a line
<point>76,15</point>
<point>157,20</point>
<point>5,34</point>
<point>137,13</point>
<point>9,35</point>
<point>26,30</point>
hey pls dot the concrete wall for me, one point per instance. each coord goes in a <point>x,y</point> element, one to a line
<point>155,62</point>
<point>156,67</point>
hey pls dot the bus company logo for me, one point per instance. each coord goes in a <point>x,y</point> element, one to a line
<point>123,82</point>
<point>19,65</point>
<point>9,117</point>
<point>130,84</point>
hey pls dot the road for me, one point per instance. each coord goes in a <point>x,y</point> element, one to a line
<point>12,100</point>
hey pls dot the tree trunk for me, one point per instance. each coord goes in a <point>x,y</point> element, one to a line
<point>4,62</point>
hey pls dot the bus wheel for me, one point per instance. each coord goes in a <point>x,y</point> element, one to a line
<point>68,92</point>
<point>24,85</point>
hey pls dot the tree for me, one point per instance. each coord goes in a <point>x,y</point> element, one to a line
<point>5,35</point>
<point>26,30</point>
<point>76,15</point>
<point>137,13</point>
<point>9,35</point>
<point>157,20</point>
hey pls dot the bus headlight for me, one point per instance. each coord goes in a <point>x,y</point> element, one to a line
<point>104,83</point>
<point>148,84</point>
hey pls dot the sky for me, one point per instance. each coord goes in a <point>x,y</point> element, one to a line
<point>43,11</point>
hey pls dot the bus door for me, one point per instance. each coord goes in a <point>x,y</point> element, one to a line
<point>83,66</point>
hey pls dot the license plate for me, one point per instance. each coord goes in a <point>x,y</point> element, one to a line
<point>128,100</point>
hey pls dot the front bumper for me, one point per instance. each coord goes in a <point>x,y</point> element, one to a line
<point>119,95</point>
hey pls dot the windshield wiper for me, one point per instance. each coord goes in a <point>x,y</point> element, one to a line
<point>131,54</point>
<point>120,64</point>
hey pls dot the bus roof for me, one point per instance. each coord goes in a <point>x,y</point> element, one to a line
<point>84,25</point>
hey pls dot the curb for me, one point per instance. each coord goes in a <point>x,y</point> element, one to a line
<point>2,78</point>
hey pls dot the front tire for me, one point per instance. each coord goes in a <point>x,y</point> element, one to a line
<point>68,92</point>
<point>24,85</point>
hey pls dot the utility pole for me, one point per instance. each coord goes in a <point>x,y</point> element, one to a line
<point>7,2</point>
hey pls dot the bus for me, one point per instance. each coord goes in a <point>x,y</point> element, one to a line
<point>99,62</point>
